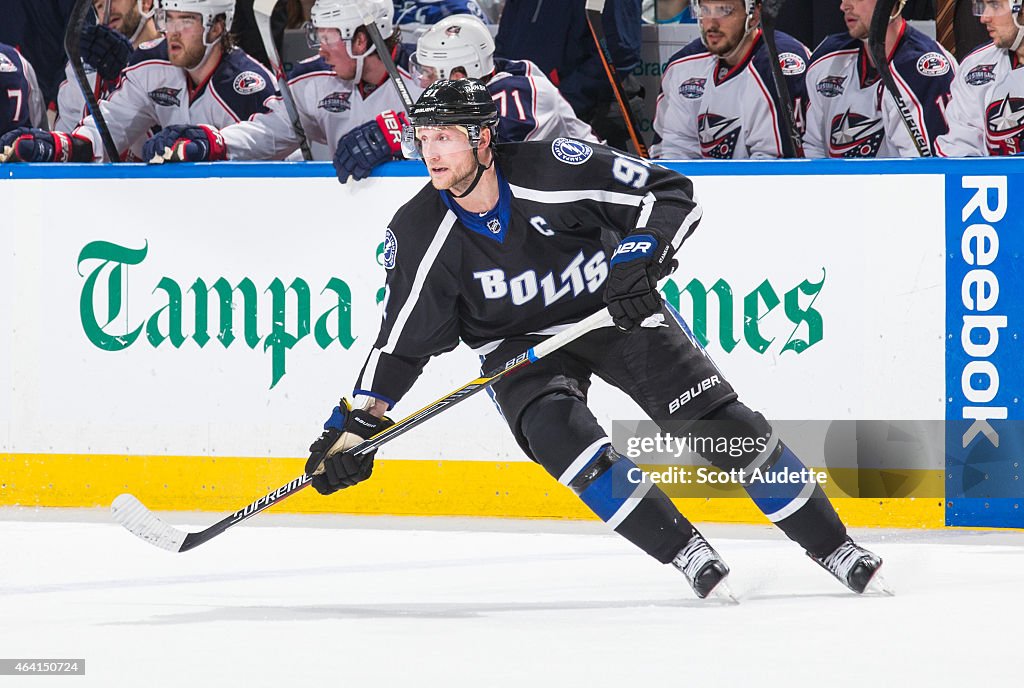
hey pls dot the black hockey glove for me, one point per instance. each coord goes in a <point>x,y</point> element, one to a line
<point>106,50</point>
<point>25,144</point>
<point>369,145</point>
<point>345,429</point>
<point>632,289</point>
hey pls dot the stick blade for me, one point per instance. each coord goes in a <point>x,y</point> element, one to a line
<point>134,516</point>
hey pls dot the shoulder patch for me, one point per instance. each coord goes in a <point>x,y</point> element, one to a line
<point>166,96</point>
<point>248,83</point>
<point>6,65</point>
<point>981,75</point>
<point>831,86</point>
<point>336,102</point>
<point>933,64</point>
<point>693,88</point>
<point>570,151</point>
<point>146,45</point>
<point>390,249</point>
<point>792,64</point>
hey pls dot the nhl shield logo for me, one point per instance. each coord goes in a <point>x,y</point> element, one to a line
<point>390,249</point>
<point>494,225</point>
<point>692,88</point>
<point>571,152</point>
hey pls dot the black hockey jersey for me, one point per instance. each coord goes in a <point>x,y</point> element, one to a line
<point>533,265</point>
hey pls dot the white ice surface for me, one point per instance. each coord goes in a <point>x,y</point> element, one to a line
<point>342,601</point>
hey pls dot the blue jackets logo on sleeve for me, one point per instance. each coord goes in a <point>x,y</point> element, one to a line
<point>933,64</point>
<point>6,65</point>
<point>571,152</point>
<point>792,64</point>
<point>390,249</point>
<point>248,83</point>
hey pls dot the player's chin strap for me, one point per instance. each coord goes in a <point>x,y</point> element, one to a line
<point>1019,7</point>
<point>144,18</point>
<point>480,169</point>
<point>359,60</point>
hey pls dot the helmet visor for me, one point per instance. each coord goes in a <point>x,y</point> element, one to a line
<point>992,8</point>
<point>315,37</point>
<point>424,74</point>
<point>434,141</point>
<point>177,22</point>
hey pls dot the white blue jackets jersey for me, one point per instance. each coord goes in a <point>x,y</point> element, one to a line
<point>328,108</point>
<point>433,11</point>
<point>850,113</point>
<point>537,262</point>
<point>986,114</point>
<point>152,92</point>
<point>707,109</point>
<point>530,107</point>
<point>71,107</point>
<point>21,101</point>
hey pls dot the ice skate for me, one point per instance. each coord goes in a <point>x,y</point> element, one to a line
<point>703,568</point>
<point>855,567</point>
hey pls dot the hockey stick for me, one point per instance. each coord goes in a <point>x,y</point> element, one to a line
<point>73,47</point>
<point>876,47</point>
<point>385,57</point>
<point>792,146</point>
<point>262,9</point>
<point>133,515</point>
<point>595,8</point>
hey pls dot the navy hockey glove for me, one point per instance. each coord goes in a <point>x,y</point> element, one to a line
<point>106,50</point>
<point>185,143</point>
<point>369,145</point>
<point>25,144</point>
<point>345,429</point>
<point>632,289</point>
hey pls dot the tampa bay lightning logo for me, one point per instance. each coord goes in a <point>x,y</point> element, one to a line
<point>831,86</point>
<point>390,249</point>
<point>571,152</point>
<point>853,135</point>
<point>981,75</point>
<point>336,102</point>
<point>166,96</point>
<point>693,88</point>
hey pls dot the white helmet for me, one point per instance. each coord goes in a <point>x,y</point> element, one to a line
<point>1014,8</point>
<point>347,16</point>
<point>748,7</point>
<point>209,9</point>
<point>460,40</point>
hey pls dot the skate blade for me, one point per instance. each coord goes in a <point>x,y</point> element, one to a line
<point>878,586</point>
<point>722,594</point>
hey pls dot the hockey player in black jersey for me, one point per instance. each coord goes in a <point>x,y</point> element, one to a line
<point>511,243</point>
